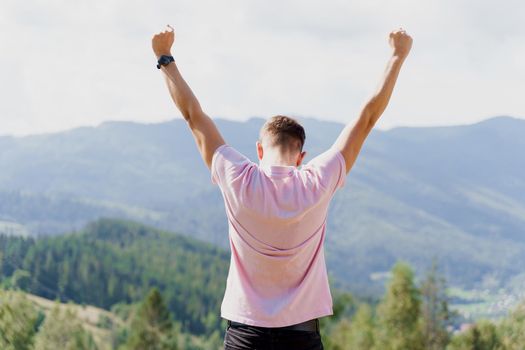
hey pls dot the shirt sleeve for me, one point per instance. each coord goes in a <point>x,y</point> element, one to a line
<point>329,168</point>
<point>227,164</point>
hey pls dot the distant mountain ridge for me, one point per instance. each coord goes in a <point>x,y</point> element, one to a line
<point>455,193</point>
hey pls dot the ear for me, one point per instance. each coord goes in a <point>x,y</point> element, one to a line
<point>300,158</point>
<point>260,152</point>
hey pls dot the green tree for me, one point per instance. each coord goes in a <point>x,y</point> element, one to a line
<point>63,330</point>
<point>435,311</point>
<point>152,326</point>
<point>355,334</point>
<point>21,279</point>
<point>339,336</point>
<point>512,330</point>
<point>215,341</point>
<point>362,329</point>
<point>114,261</point>
<point>398,314</point>
<point>18,321</point>
<point>481,336</point>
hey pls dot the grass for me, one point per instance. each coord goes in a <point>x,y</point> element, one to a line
<point>90,317</point>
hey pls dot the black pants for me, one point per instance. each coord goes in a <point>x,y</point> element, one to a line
<point>261,338</point>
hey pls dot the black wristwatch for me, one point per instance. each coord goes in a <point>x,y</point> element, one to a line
<point>164,60</point>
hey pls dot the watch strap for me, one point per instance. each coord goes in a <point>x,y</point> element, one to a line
<point>164,60</point>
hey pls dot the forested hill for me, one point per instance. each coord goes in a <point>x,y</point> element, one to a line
<point>455,193</point>
<point>113,262</point>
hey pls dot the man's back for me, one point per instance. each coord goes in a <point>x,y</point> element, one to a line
<point>277,222</point>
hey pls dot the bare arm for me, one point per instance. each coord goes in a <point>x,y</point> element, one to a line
<point>354,134</point>
<point>205,132</point>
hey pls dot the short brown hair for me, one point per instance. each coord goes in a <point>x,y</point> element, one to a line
<point>285,133</point>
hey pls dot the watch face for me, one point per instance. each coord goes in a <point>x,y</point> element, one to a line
<point>164,60</point>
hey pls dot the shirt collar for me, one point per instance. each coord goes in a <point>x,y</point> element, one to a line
<point>279,170</point>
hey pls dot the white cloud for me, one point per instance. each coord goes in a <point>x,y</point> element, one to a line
<point>71,63</point>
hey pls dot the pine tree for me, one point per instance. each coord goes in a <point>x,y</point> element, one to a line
<point>152,327</point>
<point>18,321</point>
<point>435,312</point>
<point>399,321</point>
<point>362,329</point>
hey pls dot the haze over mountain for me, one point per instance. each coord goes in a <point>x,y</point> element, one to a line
<point>454,193</point>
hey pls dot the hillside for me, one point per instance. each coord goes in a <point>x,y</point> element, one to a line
<point>113,262</point>
<point>30,322</point>
<point>101,329</point>
<point>454,193</point>
<point>91,317</point>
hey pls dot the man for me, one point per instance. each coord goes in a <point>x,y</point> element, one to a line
<point>277,286</point>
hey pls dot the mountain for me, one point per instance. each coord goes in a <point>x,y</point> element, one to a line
<point>454,193</point>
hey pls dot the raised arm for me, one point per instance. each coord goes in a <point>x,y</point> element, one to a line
<point>204,130</point>
<point>354,134</point>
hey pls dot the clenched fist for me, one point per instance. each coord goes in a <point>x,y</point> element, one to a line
<point>400,42</point>
<point>162,42</point>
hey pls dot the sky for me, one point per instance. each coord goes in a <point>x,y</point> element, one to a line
<point>65,64</point>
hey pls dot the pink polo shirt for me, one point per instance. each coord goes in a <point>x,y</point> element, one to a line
<point>277,226</point>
